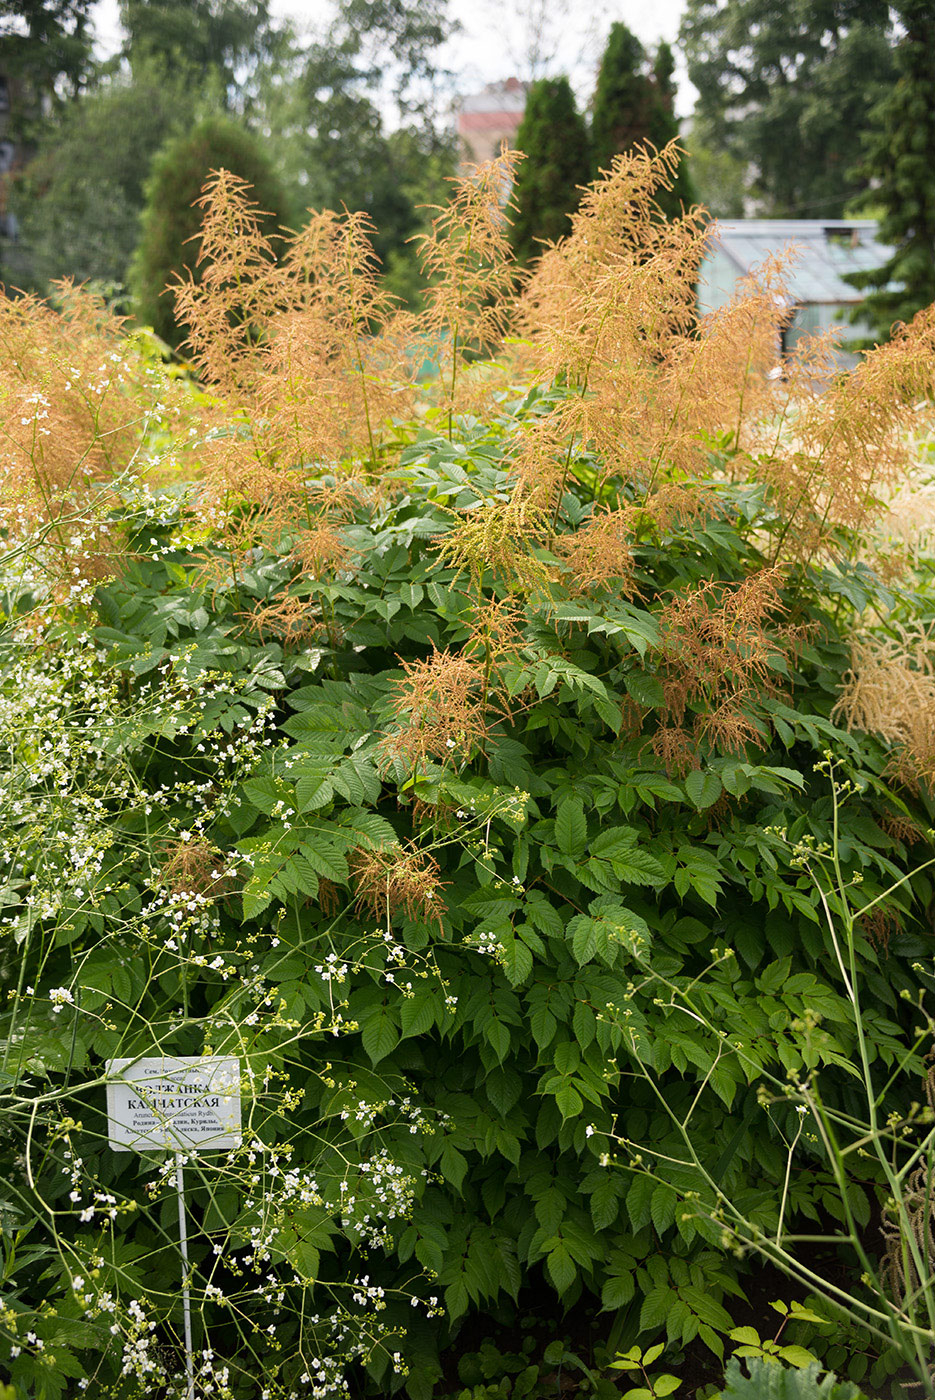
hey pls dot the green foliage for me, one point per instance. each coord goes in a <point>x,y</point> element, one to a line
<point>765,1380</point>
<point>490,1374</point>
<point>46,46</point>
<point>635,1364</point>
<point>788,92</point>
<point>664,128</point>
<point>846,1348</point>
<point>554,141</point>
<point>402,38</point>
<point>169,243</point>
<point>202,39</point>
<point>328,138</point>
<point>80,199</point>
<point>623,102</point>
<point>720,177</point>
<point>898,168</point>
<point>575,876</point>
<point>633,105</point>
<point>481,781</point>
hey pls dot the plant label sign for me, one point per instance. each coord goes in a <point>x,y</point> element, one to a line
<point>164,1104</point>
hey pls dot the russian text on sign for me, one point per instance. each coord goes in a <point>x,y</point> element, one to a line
<point>173,1104</point>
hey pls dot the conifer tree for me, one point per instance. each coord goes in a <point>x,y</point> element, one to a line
<point>623,99</point>
<point>633,106</point>
<point>899,166</point>
<point>554,140</point>
<point>171,219</point>
<point>663,128</point>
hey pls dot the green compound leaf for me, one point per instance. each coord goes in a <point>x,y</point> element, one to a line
<point>571,829</point>
<point>703,788</point>
<point>379,1035</point>
<point>561,1268</point>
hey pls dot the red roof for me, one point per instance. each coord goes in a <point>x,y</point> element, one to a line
<point>489,121</point>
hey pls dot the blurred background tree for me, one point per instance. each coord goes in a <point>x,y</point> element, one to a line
<point>799,114</point>
<point>82,195</point>
<point>720,178</point>
<point>898,171</point>
<point>318,105</point>
<point>786,91</point>
<point>169,246</point>
<point>357,118</point>
<point>634,105</point>
<point>46,50</point>
<point>664,127</point>
<point>623,99</point>
<point>210,40</point>
<point>554,139</point>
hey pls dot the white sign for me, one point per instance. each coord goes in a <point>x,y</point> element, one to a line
<point>170,1104</point>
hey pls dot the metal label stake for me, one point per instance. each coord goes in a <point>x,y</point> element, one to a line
<point>186,1105</point>
<point>186,1291</point>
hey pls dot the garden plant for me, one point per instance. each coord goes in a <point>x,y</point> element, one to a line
<point>510,732</point>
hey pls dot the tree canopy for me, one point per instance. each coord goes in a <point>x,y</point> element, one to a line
<point>554,141</point>
<point>788,89</point>
<point>45,44</point>
<point>80,198</point>
<point>169,245</point>
<point>635,105</point>
<point>623,99</point>
<point>322,106</point>
<point>204,36</point>
<point>663,128</point>
<point>899,168</point>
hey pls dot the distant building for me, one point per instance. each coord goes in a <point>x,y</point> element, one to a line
<point>827,251</point>
<point>489,117</point>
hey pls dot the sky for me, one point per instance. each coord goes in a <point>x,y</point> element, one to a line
<point>495,36</point>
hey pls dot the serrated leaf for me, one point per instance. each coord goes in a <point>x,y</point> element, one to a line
<point>645,689</point>
<point>610,844</point>
<point>583,938</point>
<point>543,1026</point>
<point>312,793</point>
<point>306,1259</point>
<point>569,1101</point>
<point>571,829</point>
<point>498,1037</point>
<point>618,1291</point>
<point>456,1300</point>
<point>379,1035</point>
<point>705,1306</point>
<point>561,1268</point>
<point>665,1385</point>
<point>638,867</point>
<point>797,1356</point>
<point>655,1307</point>
<point>703,788</point>
<point>453,1165</point>
<point>638,1201</point>
<point>417,1014</point>
<point>662,1207</point>
<point>265,793</point>
<point>604,1203</point>
<point>503,1087</point>
<point>516,959</point>
<point>749,1336</point>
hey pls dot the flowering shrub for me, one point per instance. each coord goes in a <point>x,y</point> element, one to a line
<point>405,754</point>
